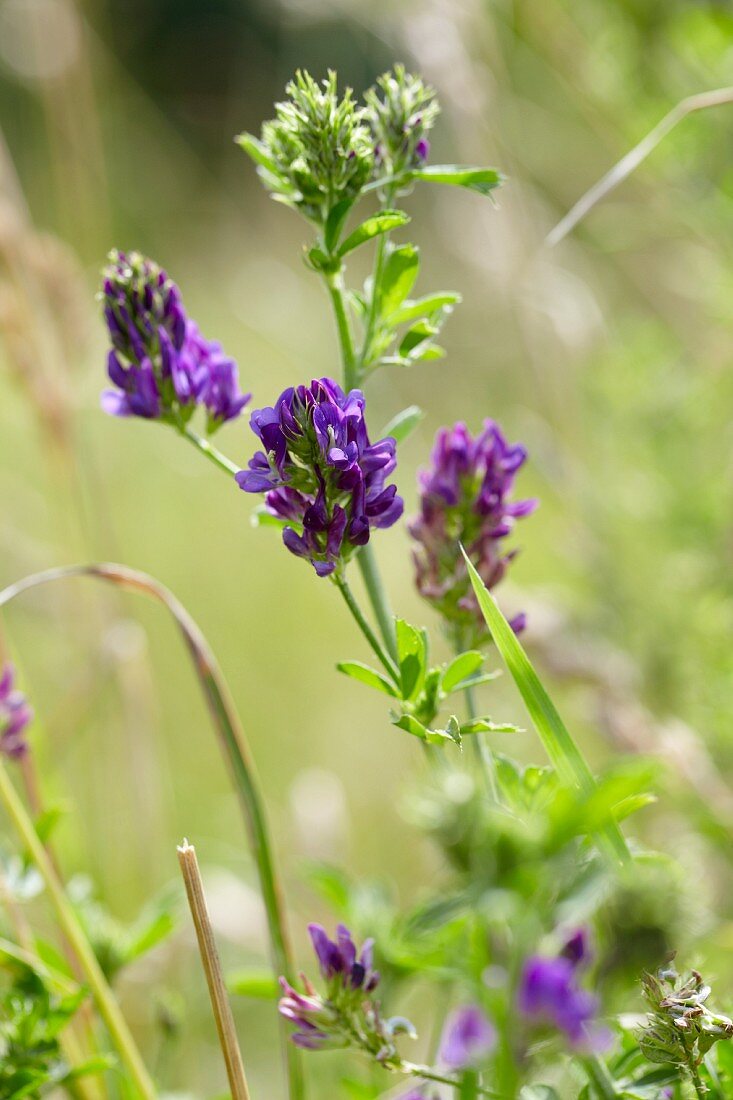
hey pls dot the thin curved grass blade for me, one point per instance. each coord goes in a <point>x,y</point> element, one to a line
<point>564,754</point>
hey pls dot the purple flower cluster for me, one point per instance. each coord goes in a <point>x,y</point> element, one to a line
<point>15,716</point>
<point>468,1036</point>
<point>466,498</point>
<point>549,991</point>
<point>162,366</point>
<point>321,474</point>
<point>350,979</point>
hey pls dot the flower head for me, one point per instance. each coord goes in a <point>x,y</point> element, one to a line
<point>321,474</point>
<point>160,363</point>
<point>468,1036</point>
<point>401,111</point>
<point>466,498</point>
<point>549,993</point>
<point>317,151</point>
<point>15,715</point>
<point>346,1014</point>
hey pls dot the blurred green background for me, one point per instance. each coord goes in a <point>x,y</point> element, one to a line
<point>609,356</point>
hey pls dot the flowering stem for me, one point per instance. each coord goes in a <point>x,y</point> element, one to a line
<point>388,664</point>
<point>104,999</point>
<point>209,450</point>
<point>336,290</point>
<point>377,597</point>
<point>426,1074</point>
<point>482,750</point>
<point>379,258</point>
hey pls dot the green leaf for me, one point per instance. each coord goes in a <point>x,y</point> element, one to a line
<point>262,518</point>
<point>562,750</point>
<point>424,307</point>
<point>483,180</point>
<point>403,425</point>
<point>631,805</point>
<point>460,668</point>
<point>335,223</point>
<point>257,151</point>
<point>427,352</point>
<point>366,675</point>
<point>412,655</point>
<point>410,723</point>
<point>398,277</point>
<point>383,222</point>
<point>452,732</point>
<point>259,984</point>
<point>485,725</point>
<point>415,336</point>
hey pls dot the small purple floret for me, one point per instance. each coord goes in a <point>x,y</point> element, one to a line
<point>468,1036</point>
<point>466,498</point>
<point>15,716</point>
<point>321,473</point>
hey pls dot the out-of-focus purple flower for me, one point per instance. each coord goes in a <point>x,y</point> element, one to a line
<point>347,1014</point>
<point>321,474</point>
<point>466,497</point>
<point>577,947</point>
<point>468,1036</point>
<point>549,993</point>
<point>160,363</point>
<point>15,716</point>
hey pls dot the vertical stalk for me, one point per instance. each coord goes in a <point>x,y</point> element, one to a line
<point>104,999</point>
<point>367,563</point>
<point>481,749</point>
<point>336,290</point>
<point>212,969</point>
<point>388,664</point>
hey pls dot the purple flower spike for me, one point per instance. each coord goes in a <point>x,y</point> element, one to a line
<point>321,473</point>
<point>161,365</point>
<point>466,498</point>
<point>468,1036</point>
<point>548,993</point>
<point>15,716</point>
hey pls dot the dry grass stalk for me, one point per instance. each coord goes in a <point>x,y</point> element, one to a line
<point>212,969</point>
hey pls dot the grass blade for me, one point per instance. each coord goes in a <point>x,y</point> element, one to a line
<point>560,746</point>
<point>234,747</point>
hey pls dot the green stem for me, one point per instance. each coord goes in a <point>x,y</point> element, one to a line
<point>210,451</point>
<point>386,661</point>
<point>104,999</point>
<point>336,290</point>
<point>379,257</point>
<point>696,1079</point>
<point>367,563</point>
<point>426,1074</point>
<point>603,1083</point>
<point>481,749</point>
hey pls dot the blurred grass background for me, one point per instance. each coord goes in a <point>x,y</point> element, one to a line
<point>610,356</point>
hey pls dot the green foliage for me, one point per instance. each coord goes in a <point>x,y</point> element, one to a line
<point>422,690</point>
<point>32,1020</point>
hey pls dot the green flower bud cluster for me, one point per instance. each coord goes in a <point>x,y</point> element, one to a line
<point>681,1027</point>
<point>402,110</point>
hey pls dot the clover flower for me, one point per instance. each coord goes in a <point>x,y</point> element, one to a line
<point>162,366</point>
<point>549,993</point>
<point>347,1014</point>
<point>465,498</point>
<point>15,716</point>
<point>321,474</point>
<point>401,111</point>
<point>468,1036</point>
<point>317,151</point>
